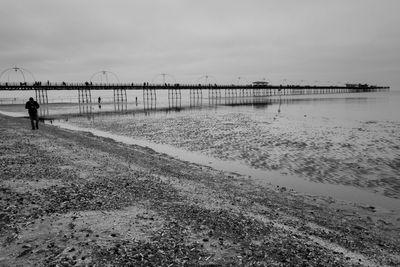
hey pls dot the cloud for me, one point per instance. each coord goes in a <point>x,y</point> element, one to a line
<point>61,40</point>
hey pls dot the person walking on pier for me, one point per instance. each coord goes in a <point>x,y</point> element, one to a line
<point>32,107</point>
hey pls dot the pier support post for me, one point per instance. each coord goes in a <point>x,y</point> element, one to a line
<point>120,95</point>
<point>85,101</point>
<point>174,97</point>
<point>84,96</point>
<point>120,99</point>
<point>195,97</point>
<point>149,97</point>
<point>214,95</point>
<point>41,96</point>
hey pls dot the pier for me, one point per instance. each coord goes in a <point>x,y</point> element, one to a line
<point>214,91</point>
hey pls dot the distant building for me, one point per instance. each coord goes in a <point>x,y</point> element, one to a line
<point>260,83</point>
<point>359,85</point>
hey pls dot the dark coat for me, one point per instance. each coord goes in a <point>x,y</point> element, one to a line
<point>32,107</point>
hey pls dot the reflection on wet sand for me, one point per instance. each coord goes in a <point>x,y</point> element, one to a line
<point>196,102</point>
<point>174,104</point>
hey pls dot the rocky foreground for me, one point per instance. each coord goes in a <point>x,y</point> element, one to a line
<point>73,199</point>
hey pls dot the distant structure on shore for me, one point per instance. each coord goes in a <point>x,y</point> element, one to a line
<point>359,85</point>
<point>260,83</point>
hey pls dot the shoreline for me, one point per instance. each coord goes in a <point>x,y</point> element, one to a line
<point>70,197</point>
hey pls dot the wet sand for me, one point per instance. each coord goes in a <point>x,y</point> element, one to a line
<point>363,154</point>
<point>72,198</point>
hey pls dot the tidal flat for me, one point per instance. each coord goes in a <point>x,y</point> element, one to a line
<point>359,153</point>
<point>73,198</point>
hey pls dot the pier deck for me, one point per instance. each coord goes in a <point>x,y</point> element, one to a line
<point>127,86</point>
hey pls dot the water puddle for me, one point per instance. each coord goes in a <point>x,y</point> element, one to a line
<point>340,192</point>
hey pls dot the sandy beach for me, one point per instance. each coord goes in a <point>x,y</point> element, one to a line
<point>70,198</point>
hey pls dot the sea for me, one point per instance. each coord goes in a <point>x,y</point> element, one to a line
<point>340,146</point>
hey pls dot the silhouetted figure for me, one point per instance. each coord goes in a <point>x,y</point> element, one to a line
<point>32,107</point>
<point>136,101</point>
<point>99,100</point>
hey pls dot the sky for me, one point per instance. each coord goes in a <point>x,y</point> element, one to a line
<point>229,41</point>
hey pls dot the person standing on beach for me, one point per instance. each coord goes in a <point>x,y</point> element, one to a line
<point>32,107</point>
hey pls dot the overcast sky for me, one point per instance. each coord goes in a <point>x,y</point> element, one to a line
<point>307,41</point>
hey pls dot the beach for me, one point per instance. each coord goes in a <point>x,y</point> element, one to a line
<point>73,198</point>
